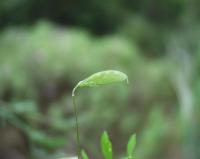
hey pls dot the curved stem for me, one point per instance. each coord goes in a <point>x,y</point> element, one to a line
<point>77,127</point>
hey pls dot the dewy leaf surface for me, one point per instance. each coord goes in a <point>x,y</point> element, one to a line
<point>102,78</point>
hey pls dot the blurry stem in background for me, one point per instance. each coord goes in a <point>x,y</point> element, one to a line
<point>181,80</point>
<point>77,127</point>
<point>184,94</point>
<point>183,90</point>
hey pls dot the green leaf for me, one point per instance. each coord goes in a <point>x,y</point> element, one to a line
<point>84,155</point>
<point>106,146</point>
<point>131,145</point>
<point>102,78</point>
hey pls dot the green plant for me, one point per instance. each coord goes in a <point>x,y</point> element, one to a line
<point>99,79</point>
<point>13,114</point>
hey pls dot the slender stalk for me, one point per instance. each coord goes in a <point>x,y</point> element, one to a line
<point>77,127</point>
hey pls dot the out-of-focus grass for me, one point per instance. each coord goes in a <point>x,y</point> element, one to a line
<point>41,64</point>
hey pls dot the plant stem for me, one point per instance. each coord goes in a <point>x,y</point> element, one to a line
<point>77,127</point>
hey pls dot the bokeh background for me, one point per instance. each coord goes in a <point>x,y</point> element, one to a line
<point>46,47</point>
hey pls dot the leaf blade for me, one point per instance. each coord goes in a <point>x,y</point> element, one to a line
<point>106,146</point>
<point>84,155</point>
<point>102,78</point>
<point>131,145</point>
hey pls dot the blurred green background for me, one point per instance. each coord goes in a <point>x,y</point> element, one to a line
<point>46,47</point>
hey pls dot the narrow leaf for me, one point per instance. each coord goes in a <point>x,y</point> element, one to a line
<point>131,145</point>
<point>102,78</point>
<point>106,146</point>
<point>84,155</point>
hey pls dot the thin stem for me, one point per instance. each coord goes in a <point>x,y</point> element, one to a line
<point>77,127</point>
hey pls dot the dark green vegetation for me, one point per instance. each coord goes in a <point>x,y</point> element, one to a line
<point>156,43</point>
<point>98,16</point>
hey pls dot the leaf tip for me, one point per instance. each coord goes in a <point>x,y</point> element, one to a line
<point>84,155</point>
<point>131,145</point>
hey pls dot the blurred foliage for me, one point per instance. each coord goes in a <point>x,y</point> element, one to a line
<point>41,64</point>
<point>99,16</point>
<point>156,43</point>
